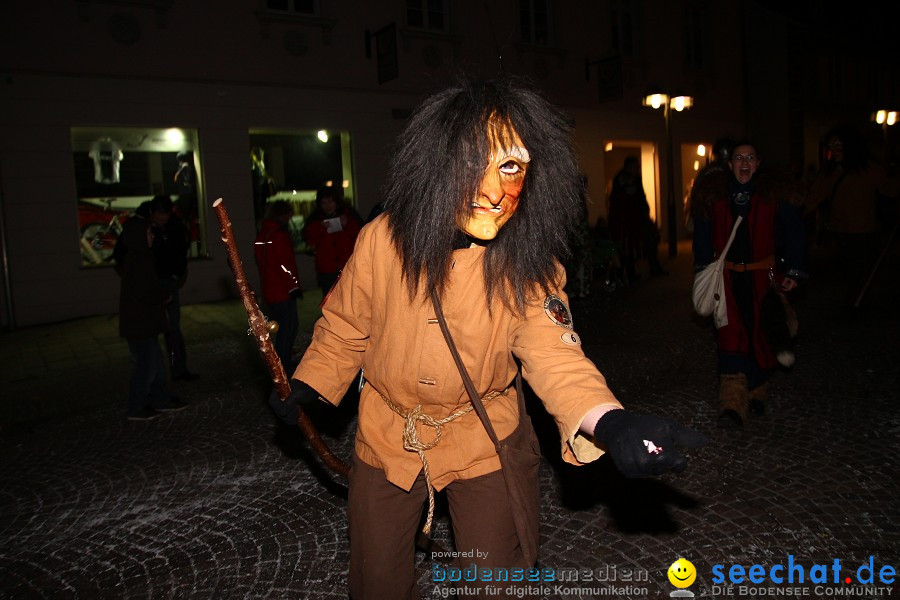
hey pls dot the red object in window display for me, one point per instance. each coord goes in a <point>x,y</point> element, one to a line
<point>99,228</point>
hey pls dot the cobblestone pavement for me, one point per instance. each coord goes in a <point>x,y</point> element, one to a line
<point>219,501</point>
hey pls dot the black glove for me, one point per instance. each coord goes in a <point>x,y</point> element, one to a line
<point>301,394</point>
<point>643,445</point>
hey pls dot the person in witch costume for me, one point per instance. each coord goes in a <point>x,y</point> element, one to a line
<point>766,261</point>
<point>481,197</point>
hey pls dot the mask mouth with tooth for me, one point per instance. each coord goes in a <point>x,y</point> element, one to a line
<point>498,208</point>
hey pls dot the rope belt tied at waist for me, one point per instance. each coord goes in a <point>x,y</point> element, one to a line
<point>412,443</point>
<point>765,263</point>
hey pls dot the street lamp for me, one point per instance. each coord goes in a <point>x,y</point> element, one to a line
<point>885,118</point>
<point>678,102</point>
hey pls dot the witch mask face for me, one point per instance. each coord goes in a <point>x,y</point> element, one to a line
<point>497,198</point>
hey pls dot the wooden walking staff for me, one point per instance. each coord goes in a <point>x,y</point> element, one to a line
<point>261,329</point>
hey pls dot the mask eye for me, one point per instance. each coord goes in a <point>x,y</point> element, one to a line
<point>510,167</point>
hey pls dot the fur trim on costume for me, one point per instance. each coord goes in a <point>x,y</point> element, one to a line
<point>778,320</point>
<point>786,358</point>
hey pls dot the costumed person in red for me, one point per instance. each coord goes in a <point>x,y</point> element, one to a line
<point>483,194</point>
<point>766,260</point>
<point>274,251</point>
<point>331,233</point>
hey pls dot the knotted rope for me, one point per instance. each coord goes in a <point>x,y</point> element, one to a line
<point>413,443</point>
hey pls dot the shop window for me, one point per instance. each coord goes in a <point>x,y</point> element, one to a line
<point>119,168</point>
<point>292,165</point>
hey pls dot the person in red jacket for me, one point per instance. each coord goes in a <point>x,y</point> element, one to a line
<point>331,232</point>
<point>274,251</point>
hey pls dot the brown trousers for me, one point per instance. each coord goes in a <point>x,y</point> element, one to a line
<point>384,520</point>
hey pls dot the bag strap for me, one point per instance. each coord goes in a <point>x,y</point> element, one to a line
<point>467,381</point>
<point>730,239</point>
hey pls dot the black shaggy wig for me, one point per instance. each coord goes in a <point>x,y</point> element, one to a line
<point>438,167</point>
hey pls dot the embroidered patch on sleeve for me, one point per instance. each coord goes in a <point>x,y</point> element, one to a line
<point>571,338</point>
<point>558,312</point>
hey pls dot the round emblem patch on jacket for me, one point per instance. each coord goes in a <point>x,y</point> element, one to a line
<point>571,338</point>
<point>558,312</point>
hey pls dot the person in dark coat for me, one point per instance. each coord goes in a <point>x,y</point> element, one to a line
<point>625,201</point>
<point>142,318</point>
<point>170,247</point>
<point>630,224</point>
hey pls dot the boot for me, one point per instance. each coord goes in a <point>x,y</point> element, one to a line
<point>758,400</point>
<point>734,400</point>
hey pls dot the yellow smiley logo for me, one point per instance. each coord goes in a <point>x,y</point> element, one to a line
<point>682,573</point>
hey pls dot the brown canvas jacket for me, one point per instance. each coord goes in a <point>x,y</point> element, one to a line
<point>369,321</point>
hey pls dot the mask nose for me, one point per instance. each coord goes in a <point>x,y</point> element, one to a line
<point>491,189</point>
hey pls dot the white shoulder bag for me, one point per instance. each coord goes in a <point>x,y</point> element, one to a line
<point>709,285</point>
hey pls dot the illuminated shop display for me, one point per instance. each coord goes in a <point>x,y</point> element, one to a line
<point>119,168</point>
